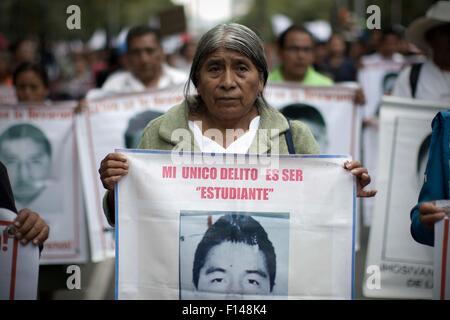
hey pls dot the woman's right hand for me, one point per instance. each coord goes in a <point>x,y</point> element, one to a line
<point>112,168</point>
<point>430,214</point>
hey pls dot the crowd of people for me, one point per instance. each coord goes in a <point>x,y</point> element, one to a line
<point>228,68</point>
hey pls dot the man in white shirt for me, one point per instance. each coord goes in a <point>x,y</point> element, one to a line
<point>430,80</point>
<point>147,68</point>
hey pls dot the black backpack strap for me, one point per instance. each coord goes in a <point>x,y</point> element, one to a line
<point>414,78</point>
<point>289,140</point>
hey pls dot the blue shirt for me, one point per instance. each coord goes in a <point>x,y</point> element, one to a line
<point>436,185</point>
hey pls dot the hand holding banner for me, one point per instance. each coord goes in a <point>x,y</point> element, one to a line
<point>19,264</point>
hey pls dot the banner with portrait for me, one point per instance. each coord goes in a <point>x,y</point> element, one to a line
<point>406,267</point>
<point>203,226</point>
<point>109,123</point>
<point>329,112</point>
<point>377,78</point>
<point>38,147</point>
<point>19,264</point>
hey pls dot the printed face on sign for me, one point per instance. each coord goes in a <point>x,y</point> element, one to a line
<point>26,153</point>
<point>235,258</point>
<point>312,117</point>
<point>234,269</point>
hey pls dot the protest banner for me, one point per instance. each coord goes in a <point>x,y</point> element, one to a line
<point>405,266</point>
<point>234,226</point>
<point>377,78</point>
<point>441,288</point>
<point>19,264</point>
<point>38,147</point>
<point>109,123</point>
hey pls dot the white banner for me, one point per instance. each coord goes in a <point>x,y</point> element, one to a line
<point>38,147</point>
<point>329,112</point>
<point>377,78</point>
<point>231,227</point>
<point>406,267</point>
<point>19,264</point>
<point>109,123</point>
<point>442,258</point>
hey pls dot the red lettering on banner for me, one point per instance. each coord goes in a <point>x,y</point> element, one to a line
<point>169,172</point>
<point>292,175</point>
<point>49,114</point>
<point>63,245</point>
<point>231,193</point>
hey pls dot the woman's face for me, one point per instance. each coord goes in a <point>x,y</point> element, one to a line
<point>229,84</point>
<point>30,88</point>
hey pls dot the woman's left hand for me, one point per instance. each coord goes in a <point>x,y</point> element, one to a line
<point>29,226</point>
<point>362,178</point>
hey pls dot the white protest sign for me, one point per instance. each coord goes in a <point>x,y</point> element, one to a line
<point>38,147</point>
<point>110,123</point>
<point>377,78</point>
<point>232,227</point>
<point>328,111</point>
<point>19,264</point>
<point>406,267</point>
<point>441,289</point>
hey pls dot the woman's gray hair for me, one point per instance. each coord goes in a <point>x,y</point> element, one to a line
<point>232,36</point>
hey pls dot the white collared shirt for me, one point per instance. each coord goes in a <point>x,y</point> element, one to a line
<point>240,145</point>
<point>432,84</point>
<point>126,82</point>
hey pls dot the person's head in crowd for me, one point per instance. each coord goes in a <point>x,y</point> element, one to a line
<point>389,43</point>
<point>432,34</point>
<point>80,63</point>
<point>26,152</point>
<point>439,41</point>
<point>234,258</point>
<point>296,51</point>
<point>31,83</point>
<point>336,46</point>
<point>312,117</point>
<point>374,40</point>
<point>422,160</point>
<point>25,51</point>
<point>144,54</point>
<point>229,71</point>
<point>187,50</point>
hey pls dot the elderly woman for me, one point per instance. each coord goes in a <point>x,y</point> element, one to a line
<point>229,72</point>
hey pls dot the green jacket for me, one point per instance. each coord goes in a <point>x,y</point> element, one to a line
<point>312,77</point>
<point>171,132</point>
<point>164,133</point>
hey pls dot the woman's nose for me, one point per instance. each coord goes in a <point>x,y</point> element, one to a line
<point>228,81</point>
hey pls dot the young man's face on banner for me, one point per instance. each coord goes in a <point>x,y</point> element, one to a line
<point>234,269</point>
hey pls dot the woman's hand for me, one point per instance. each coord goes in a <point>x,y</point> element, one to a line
<point>362,178</point>
<point>112,168</point>
<point>29,226</point>
<point>430,214</point>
